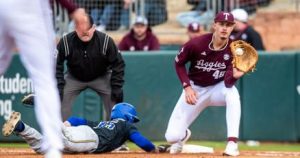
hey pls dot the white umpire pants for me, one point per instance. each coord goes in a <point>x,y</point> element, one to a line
<point>79,139</point>
<point>28,26</point>
<point>184,114</point>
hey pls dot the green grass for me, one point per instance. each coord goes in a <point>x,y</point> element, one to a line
<point>14,145</point>
<point>263,146</point>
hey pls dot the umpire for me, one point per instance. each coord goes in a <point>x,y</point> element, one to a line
<point>93,61</point>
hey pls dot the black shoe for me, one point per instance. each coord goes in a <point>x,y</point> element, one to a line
<point>163,148</point>
<point>28,100</point>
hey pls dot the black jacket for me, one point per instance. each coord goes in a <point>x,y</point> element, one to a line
<point>87,61</point>
<point>249,35</point>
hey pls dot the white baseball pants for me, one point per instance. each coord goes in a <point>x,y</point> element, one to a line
<point>184,114</point>
<point>28,26</point>
<point>79,139</point>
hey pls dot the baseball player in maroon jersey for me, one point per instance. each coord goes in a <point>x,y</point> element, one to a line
<point>208,82</point>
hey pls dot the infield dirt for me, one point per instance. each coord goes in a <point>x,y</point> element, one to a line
<point>28,153</point>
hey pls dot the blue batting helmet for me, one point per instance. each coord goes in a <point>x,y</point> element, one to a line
<point>125,111</point>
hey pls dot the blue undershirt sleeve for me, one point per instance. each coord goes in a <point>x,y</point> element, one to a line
<point>141,141</point>
<point>76,121</point>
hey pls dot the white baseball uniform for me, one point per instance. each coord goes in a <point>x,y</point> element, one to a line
<point>79,139</point>
<point>211,76</point>
<point>184,114</point>
<point>28,26</point>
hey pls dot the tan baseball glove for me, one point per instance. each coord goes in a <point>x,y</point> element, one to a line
<point>244,56</point>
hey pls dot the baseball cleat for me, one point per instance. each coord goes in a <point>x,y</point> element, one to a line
<point>177,147</point>
<point>163,148</point>
<point>10,124</point>
<point>231,149</point>
<point>28,100</point>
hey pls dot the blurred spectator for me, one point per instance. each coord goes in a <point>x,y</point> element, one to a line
<point>102,13</point>
<point>105,13</point>
<point>197,4</point>
<point>243,31</point>
<point>249,6</point>
<point>140,37</point>
<point>263,2</point>
<point>200,14</point>
<point>155,11</point>
<point>124,22</point>
<point>193,30</point>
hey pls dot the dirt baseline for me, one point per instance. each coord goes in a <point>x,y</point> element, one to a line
<point>28,153</point>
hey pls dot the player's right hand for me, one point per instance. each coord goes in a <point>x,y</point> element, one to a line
<point>190,95</point>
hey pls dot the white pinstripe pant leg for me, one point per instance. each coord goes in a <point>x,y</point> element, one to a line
<point>29,24</point>
<point>231,99</point>
<point>184,114</point>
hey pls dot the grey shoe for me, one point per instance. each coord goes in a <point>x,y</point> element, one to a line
<point>177,147</point>
<point>231,149</point>
<point>10,124</point>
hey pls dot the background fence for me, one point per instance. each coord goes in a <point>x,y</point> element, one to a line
<point>269,96</point>
<point>118,15</point>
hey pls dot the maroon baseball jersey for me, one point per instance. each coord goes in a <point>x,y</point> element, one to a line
<point>207,66</point>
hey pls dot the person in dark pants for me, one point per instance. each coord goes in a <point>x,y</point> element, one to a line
<point>156,11</point>
<point>243,31</point>
<point>93,61</point>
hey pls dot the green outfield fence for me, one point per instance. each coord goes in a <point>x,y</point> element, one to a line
<point>270,98</point>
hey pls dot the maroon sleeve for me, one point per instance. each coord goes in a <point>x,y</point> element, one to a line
<point>180,60</point>
<point>154,43</point>
<point>69,5</point>
<point>228,78</point>
<point>122,45</point>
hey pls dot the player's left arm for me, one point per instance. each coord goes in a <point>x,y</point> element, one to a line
<point>75,121</point>
<point>141,141</point>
